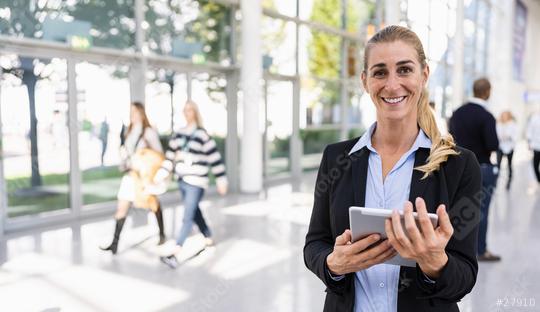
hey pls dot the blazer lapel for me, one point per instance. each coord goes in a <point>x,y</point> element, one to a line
<point>359,171</point>
<point>418,185</point>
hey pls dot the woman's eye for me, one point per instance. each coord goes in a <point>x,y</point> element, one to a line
<point>404,70</point>
<point>379,73</point>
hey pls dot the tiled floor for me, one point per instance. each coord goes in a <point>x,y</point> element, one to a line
<point>256,265</point>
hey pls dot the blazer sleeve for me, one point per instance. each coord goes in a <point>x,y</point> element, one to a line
<point>489,132</point>
<point>459,274</point>
<point>319,239</point>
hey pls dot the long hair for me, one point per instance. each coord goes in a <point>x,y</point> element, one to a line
<point>441,146</point>
<point>198,118</point>
<point>139,107</point>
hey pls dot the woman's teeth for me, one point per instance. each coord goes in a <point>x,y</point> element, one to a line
<point>393,100</point>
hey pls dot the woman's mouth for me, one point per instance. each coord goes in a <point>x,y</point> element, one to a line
<point>394,100</point>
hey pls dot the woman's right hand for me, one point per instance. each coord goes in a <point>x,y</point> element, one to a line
<point>349,257</point>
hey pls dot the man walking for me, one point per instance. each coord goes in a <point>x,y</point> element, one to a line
<point>474,128</point>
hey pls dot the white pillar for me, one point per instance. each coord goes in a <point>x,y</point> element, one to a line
<point>137,71</point>
<point>3,187</point>
<point>75,179</point>
<point>458,68</point>
<point>392,12</point>
<point>251,176</point>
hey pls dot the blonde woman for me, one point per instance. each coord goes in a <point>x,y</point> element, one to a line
<point>507,131</point>
<point>402,163</point>
<point>138,136</point>
<point>191,155</point>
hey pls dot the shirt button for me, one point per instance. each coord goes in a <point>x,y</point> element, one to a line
<point>381,285</point>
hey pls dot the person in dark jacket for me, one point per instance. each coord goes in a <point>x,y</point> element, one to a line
<point>402,159</point>
<point>475,128</point>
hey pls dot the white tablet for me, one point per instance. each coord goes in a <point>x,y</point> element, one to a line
<point>366,221</point>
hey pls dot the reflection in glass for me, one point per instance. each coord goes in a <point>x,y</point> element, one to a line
<point>35,136</point>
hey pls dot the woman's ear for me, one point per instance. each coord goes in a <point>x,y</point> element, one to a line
<point>425,73</point>
<point>364,82</point>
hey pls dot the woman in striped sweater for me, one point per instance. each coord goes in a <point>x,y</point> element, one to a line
<point>191,154</point>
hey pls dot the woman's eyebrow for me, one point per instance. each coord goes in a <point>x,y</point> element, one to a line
<point>382,65</point>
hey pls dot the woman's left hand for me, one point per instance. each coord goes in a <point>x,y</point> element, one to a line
<point>426,245</point>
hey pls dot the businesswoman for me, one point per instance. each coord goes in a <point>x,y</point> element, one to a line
<point>401,163</point>
<point>190,156</point>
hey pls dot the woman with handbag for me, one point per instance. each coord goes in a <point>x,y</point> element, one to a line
<point>141,149</point>
<point>190,155</point>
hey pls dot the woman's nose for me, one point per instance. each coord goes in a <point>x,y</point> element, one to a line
<point>392,82</point>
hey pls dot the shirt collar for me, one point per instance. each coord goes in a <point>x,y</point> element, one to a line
<point>478,101</point>
<point>422,141</point>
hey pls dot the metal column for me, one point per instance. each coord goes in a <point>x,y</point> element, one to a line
<point>73,125</point>
<point>231,143</point>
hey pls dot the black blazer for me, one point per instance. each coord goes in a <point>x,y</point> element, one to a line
<point>474,128</point>
<point>341,183</point>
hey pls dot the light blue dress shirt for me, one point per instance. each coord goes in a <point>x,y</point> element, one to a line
<point>377,287</point>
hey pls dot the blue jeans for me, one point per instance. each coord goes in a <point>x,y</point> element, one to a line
<point>192,195</point>
<point>489,181</point>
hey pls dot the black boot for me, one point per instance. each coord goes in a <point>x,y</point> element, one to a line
<point>113,247</point>
<point>159,218</point>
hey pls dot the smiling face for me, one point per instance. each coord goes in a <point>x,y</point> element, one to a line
<point>394,79</point>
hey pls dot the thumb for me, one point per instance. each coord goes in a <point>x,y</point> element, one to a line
<point>344,238</point>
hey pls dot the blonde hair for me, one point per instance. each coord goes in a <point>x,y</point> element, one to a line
<point>441,146</point>
<point>198,118</point>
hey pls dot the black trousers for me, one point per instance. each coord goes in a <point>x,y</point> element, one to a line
<point>509,157</point>
<point>536,164</point>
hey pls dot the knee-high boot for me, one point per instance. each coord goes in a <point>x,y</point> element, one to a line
<point>159,218</point>
<point>113,247</point>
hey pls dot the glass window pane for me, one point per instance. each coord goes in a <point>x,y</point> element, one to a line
<point>35,134</point>
<point>360,13</point>
<point>103,107</point>
<point>81,23</point>
<point>285,7</point>
<point>196,30</point>
<point>163,109</point>
<point>278,126</point>
<point>279,44</point>
<point>320,54</point>
<point>314,141</point>
<point>324,12</point>
<point>319,102</point>
<point>416,12</point>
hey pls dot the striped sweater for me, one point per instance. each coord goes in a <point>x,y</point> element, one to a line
<point>191,154</point>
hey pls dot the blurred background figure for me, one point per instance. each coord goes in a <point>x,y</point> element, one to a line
<point>507,132</point>
<point>103,137</point>
<point>139,136</point>
<point>190,155</point>
<point>533,137</point>
<point>474,128</point>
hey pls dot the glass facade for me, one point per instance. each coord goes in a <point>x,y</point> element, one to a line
<point>436,30</point>
<point>312,50</point>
